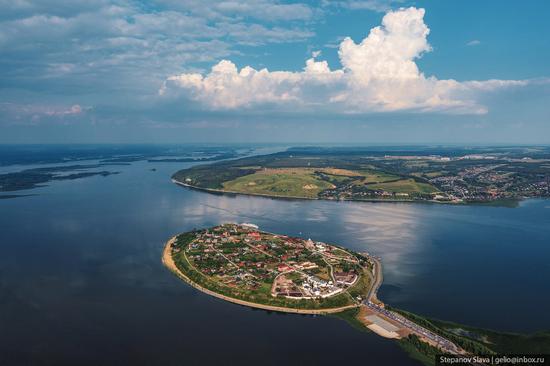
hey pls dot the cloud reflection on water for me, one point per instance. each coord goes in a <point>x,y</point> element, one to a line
<point>392,231</point>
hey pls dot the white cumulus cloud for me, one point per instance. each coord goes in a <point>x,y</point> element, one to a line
<point>378,74</point>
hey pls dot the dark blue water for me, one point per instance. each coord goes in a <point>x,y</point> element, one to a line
<point>81,280</point>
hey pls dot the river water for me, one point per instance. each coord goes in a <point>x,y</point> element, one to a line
<point>81,279</point>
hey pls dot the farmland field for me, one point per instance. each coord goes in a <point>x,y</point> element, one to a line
<point>290,182</point>
<point>372,176</point>
<point>404,186</point>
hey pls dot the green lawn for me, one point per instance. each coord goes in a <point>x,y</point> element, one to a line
<point>361,287</point>
<point>340,253</point>
<point>293,276</point>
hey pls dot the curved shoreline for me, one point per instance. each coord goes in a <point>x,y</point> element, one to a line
<point>497,203</point>
<point>169,263</point>
<point>223,191</point>
<point>378,278</point>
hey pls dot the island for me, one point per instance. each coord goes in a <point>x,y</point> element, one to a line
<point>38,177</point>
<point>242,264</point>
<point>67,164</point>
<point>442,175</point>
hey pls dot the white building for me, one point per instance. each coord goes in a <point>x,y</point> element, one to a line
<point>250,226</point>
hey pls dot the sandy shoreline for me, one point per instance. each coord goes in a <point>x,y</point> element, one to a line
<point>169,263</point>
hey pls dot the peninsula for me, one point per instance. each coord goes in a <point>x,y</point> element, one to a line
<point>451,175</point>
<point>242,264</point>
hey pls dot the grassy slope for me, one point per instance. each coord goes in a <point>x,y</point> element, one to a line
<point>287,182</point>
<point>404,186</point>
<point>373,176</point>
<point>277,175</point>
<point>291,182</point>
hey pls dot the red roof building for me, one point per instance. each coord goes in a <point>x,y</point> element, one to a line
<point>254,235</point>
<point>283,268</point>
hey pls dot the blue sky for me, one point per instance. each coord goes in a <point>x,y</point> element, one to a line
<point>275,71</point>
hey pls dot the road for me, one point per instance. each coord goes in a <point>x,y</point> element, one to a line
<point>377,280</point>
<point>371,300</point>
<point>442,343</point>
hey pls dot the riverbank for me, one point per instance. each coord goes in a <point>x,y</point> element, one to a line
<point>510,203</point>
<point>168,261</point>
<point>223,191</point>
<point>282,197</point>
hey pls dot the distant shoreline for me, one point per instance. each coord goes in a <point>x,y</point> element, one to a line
<point>498,203</point>
<point>223,191</point>
<point>171,265</point>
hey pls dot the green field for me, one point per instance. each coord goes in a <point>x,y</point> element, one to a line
<point>305,182</point>
<point>295,182</point>
<point>404,186</point>
<point>373,176</point>
<point>435,174</point>
<point>308,182</point>
<point>401,173</point>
